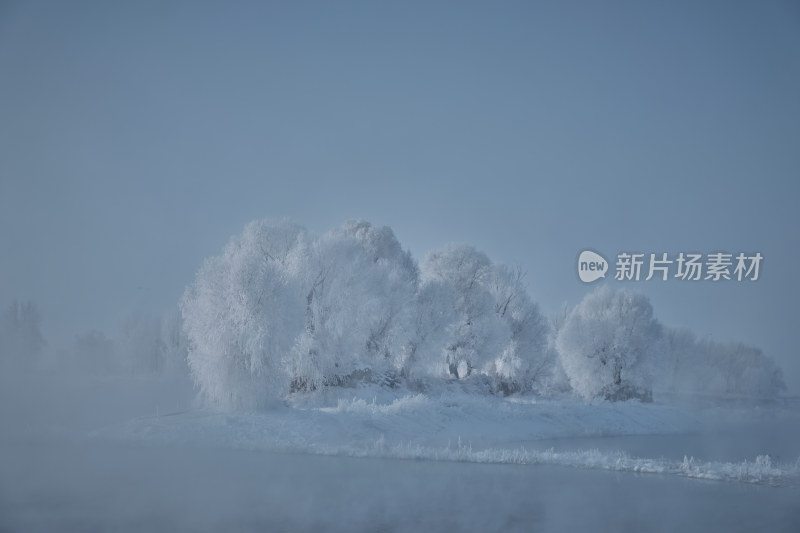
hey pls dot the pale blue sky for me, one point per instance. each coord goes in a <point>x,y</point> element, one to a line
<point>137,137</point>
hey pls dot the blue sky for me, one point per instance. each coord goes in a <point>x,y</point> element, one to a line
<point>136,138</point>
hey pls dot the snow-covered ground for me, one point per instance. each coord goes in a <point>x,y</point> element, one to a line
<point>457,426</point>
<point>126,454</point>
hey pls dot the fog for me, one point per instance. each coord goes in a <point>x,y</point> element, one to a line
<point>56,473</point>
<point>133,489</point>
<point>137,139</point>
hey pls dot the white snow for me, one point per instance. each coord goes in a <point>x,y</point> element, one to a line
<point>453,426</point>
<point>373,458</point>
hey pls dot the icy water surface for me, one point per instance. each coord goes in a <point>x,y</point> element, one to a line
<point>94,487</point>
<point>53,478</point>
<point>728,442</point>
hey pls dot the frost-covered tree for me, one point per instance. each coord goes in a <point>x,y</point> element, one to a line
<point>175,344</point>
<point>435,313</point>
<point>482,319</point>
<point>21,340</point>
<point>139,344</point>
<point>389,332</point>
<point>243,313</point>
<point>682,368</point>
<point>93,353</point>
<point>360,287</point>
<point>742,370</point>
<point>555,380</point>
<point>282,310</point>
<point>524,362</point>
<point>716,368</point>
<point>608,345</point>
<point>476,334</point>
<point>762,377</point>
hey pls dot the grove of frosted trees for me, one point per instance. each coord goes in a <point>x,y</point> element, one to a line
<point>285,311</point>
<point>691,365</point>
<point>144,345</point>
<point>282,311</point>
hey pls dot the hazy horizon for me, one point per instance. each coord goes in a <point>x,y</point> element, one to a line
<point>136,139</point>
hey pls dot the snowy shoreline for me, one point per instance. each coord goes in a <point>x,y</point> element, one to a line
<point>455,427</point>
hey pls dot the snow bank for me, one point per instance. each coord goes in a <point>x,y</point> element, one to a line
<point>453,426</point>
<point>761,470</point>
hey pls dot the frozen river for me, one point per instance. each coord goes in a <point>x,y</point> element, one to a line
<point>52,478</point>
<point>80,487</point>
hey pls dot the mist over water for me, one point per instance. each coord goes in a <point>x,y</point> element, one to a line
<point>95,487</point>
<point>137,138</point>
<point>54,477</point>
